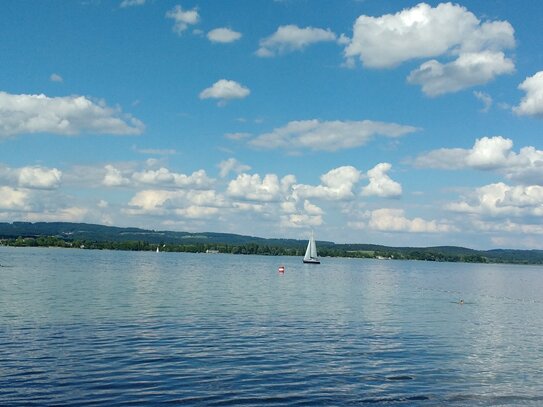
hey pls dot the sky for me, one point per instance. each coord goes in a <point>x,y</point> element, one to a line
<point>368,121</point>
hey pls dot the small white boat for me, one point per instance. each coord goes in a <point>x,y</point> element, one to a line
<point>311,256</point>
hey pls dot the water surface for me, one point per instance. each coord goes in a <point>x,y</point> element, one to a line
<point>104,327</point>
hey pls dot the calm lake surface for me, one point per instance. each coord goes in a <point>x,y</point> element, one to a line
<point>81,327</point>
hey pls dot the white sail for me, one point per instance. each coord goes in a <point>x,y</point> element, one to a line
<point>311,251</point>
<point>313,247</point>
<point>308,251</point>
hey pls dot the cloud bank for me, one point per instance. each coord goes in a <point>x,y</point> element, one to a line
<point>69,115</point>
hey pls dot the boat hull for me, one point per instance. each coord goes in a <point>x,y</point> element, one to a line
<point>311,261</point>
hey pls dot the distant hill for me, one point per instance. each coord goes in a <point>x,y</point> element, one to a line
<point>119,238</point>
<point>87,231</point>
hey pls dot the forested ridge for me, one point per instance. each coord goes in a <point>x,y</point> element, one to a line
<point>91,236</point>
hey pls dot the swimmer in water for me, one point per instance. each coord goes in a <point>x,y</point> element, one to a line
<point>461,302</point>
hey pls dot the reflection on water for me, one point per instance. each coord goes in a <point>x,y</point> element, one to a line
<point>104,327</point>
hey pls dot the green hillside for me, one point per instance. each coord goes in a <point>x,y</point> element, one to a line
<point>92,232</point>
<point>66,234</point>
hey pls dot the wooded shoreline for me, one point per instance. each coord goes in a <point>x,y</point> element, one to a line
<point>440,254</point>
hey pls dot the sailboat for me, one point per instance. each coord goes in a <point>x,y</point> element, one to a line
<point>311,252</point>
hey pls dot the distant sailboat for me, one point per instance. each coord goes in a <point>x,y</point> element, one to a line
<point>157,249</point>
<point>311,256</point>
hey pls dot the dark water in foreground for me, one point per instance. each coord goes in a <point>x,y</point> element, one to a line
<point>84,327</point>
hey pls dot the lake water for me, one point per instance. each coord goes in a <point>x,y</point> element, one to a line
<point>81,327</point>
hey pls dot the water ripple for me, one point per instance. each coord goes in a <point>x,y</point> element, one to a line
<point>127,329</point>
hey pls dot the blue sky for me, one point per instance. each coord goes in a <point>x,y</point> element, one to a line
<point>387,122</point>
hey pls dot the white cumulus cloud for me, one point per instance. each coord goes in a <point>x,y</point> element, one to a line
<point>114,177</point>
<point>161,177</point>
<point>381,184</point>
<point>177,203</point>
<point>182,18</point>
<point>288,207</point>
<point>422,32</point>
<point>232,165</point>
<point>255,188</point>
<point>150,201</point>
<point>14,199</point>
<point>39,177</point>
<point>312,209</point>
<point>290,38</point>
<point>301,220</point>
<point>165,177</point>
<point>394,220</point>
<point>31,177</point>
<point>69,115</point>
<point>468,70</point>
<point>489,153</point>
<point>337,184</point>
<point>328,135</point>
<point>225,90</point>
<point>223,35</point>
<point>500,199</point>
<point>532,103</point>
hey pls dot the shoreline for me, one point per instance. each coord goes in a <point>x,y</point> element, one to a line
<point>390,254</point>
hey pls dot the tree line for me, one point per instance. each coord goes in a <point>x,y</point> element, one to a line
<point>265,249</point>
<point>141,245</point>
